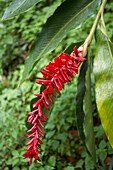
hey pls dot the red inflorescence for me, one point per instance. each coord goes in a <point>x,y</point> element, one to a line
<point>56,73</point>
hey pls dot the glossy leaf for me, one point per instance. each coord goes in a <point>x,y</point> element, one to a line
<point>18,6</point>
<point>103,70</point>
<point>84,108</point>
<point>69,15</point>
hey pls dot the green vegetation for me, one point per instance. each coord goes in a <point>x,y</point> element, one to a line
<point>62,148</point>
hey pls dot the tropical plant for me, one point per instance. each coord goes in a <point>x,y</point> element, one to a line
<point>70,15</point>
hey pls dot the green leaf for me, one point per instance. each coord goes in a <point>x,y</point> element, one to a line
<point>103,155</point>
<point>69,168</point>
<point>15,161</point>
<point>69,15</point>
<point>52,160</point>
<point>103,71</point>
<point>55,144</point>
<point>84,108</point>
<point>79,101</point>
<point>17,7</point>
<point>62,136</point>
<point>79,164</point>
<point>88,111</point>
<point>50,134</point>
<point>99,130</point>
<point>102,144</point>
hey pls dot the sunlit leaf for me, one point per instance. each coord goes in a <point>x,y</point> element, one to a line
<point>103,70</point>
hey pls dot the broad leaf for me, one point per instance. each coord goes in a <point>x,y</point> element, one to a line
<point>69,15</point>
<point>103,70</point>
<point>84,108</point>
<point>18,6</point>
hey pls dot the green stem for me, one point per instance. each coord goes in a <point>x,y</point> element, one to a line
<point>90,36</point>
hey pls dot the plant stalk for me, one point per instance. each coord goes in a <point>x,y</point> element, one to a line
<point>90,36</point>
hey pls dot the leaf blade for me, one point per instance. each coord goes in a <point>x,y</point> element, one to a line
<point>68,16</point>
<point>88,111</point>
<point>103,71</point>
<point>84,108</point>
<point>17,7</point>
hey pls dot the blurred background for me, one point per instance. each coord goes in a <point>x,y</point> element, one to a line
<point>62,148</point>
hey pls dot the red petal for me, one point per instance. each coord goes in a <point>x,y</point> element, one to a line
<point>37,103</point>
<point>36,134</point>
<point>41,123</point>
<point>46,100</point>
<point>40,141</point>
<point>41,135</point>
<point>75,50</point>
<point>65,78</point>
<point>57,84</point>
<point>30,162</point>
<point>60,82</point>
<point>56,89</point>
<point>35,119</point>
<point>45,117</point>
<point>31,113</point>
<point>39,95</point>
<point>45,82</point>
<point>40,110</point>
<point>46,74</point>
<point>46,105</point>
<point>60,76</point>
<point>40,129</point>
<point>50,99</point>
<point>30,141</point>
<point>30,119</point>
<point>32,129</point>
<point>29,147</point>
<point>66,74</point>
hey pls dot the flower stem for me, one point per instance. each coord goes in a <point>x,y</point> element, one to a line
<point>90,36</point>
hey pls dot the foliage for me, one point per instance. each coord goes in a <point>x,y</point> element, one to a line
<point>104,100</point>
<point>62,148</point>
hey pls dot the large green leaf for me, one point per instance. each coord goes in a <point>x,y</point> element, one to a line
<point>18,6</point>
<point>103,70</point>
<point>84,108</point>
<point>69,15</point>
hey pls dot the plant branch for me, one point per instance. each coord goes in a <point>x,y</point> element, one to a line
<point>90,36</point>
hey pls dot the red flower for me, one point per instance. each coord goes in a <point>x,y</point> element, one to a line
<point>57,73</point>
<point>32,154</point>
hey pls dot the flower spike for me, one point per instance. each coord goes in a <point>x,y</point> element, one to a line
<point>57,73</point>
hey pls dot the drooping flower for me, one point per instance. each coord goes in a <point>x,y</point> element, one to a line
<point>56,74</point>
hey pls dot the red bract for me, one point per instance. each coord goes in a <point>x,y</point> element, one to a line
<point>57,73</point>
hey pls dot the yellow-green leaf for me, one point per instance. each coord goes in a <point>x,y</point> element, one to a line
<point>103,70</point>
